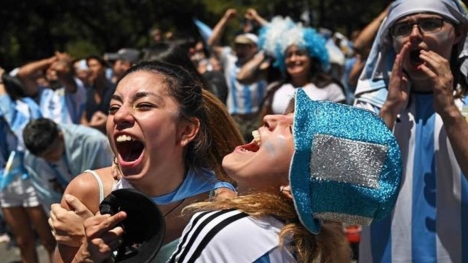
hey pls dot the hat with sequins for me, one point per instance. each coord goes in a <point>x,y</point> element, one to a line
<point>346,166</point>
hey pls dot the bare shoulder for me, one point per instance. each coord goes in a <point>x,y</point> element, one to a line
<point>107,178</point>
<point>85,187</point>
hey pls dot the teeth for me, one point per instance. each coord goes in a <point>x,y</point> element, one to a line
<point>124,138</point>
<point>256,137</point>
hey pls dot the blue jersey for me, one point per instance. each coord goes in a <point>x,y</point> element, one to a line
<point>242,98</point>
<point>430,220</point>
<point>15,115</point>
<point>62,106</point>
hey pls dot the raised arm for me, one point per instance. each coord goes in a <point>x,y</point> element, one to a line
<point>63,68</point>
<point>27,73</point>
<point>252,14</point>
<point>218,30</point>
<point>363,42</point>
<point>362,46</point>
<point>254,70</point>
<point>455,124</point>
<point>398,90</point>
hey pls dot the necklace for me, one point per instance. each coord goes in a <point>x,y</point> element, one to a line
<point>174,208</point>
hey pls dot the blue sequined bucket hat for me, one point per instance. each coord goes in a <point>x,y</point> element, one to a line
<point>346,166</point>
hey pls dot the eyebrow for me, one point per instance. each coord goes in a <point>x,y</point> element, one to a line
<point>138,96</point>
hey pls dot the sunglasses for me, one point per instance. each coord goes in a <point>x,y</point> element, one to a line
<point>425,25</point>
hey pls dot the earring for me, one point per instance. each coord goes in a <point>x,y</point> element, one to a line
<point>116,173</point>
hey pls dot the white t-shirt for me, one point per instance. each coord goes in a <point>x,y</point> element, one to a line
<point>282,96</point>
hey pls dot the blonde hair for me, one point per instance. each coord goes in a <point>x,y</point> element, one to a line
<point>329,246</point>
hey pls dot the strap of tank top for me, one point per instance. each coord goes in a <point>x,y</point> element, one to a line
<point>100,184</point>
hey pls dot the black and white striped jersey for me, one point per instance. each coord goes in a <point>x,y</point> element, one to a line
<point>230,236</point>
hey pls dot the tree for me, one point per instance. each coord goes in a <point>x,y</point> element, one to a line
<point>31,30</point>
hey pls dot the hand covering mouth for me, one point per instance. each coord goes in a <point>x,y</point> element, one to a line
<point>129,148</point>
<point>414,57</point>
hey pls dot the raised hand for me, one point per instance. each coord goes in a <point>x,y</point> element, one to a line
<point>398,89</point>
<point>230,13</point>
<point>438,70</point>
<point>62,65</point>
<point>251,14</point>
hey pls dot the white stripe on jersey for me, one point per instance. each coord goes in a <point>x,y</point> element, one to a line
<point>401,248</point>
<point>448,202</point>
<point>242,241</point>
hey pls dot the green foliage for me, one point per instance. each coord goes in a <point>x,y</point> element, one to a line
<point>32,30</point>
<point>81,48</point>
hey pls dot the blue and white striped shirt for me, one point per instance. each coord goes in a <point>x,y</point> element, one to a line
<point>430,220</point>
<point>242,99</point>
<point>62,106</point>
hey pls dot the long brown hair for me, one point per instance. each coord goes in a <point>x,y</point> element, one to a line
<point>329,246</point>
<point>225,136</point>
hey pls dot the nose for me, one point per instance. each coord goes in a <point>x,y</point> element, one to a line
<point>272,121</point>
<point>415,32</point>
<point>123,116</point>
<point>269,121</point>
<point>293,57</point>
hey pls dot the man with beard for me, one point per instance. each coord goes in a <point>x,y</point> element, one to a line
<point>65,98</point>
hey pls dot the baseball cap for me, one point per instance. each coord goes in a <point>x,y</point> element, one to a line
<point>127,54</point>
<point>246,38</point>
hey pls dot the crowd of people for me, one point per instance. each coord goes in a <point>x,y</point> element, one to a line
<point>267,150</point>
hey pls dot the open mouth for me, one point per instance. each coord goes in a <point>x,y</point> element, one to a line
<point>129,148</point>
<point>254,145</point>
<point>251,147</point>
<point>414,57</point>
<point>256,137</point>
